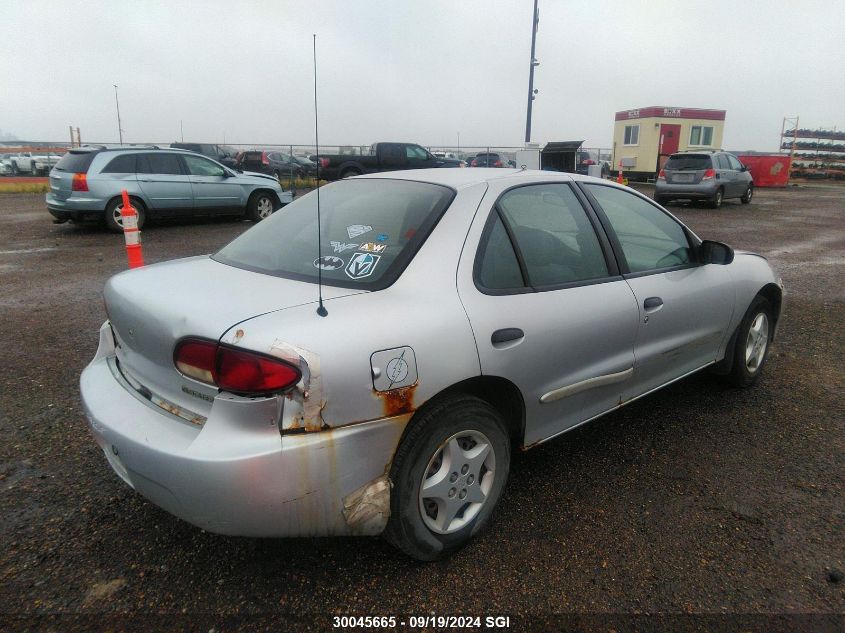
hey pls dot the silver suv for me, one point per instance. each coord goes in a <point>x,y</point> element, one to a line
<point>704,175</point>
<point>162,183</point>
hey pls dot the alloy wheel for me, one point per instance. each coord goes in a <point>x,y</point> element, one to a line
<point>757,342</point>
<point>264,206</point>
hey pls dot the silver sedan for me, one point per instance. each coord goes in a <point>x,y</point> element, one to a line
<point>464,314</point>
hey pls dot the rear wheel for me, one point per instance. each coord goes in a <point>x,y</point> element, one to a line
<point>261,206</point>
<point>277,175</point>
<point>113,215</point>
<point>716,200</point>
<point>15,171</point>
<point>350,172</point>
<point>746,197</point>
<point>661,200</point>
<point>448,475</point>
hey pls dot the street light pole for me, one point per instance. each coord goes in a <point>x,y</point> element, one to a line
<point>535,20</point>
<point>117,105</point>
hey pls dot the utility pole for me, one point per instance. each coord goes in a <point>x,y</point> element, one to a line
<point>535,20</point>
<point>181,131</point>
<point>117,105</point>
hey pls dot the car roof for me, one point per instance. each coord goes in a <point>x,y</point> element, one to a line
<point>457,178</point>
<point>87,149</point>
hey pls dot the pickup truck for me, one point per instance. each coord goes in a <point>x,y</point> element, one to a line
<point>33,164</point>
<point>382,157</point>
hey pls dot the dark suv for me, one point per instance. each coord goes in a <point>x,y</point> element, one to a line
<point>704,175</point>
<point>277,164</point>
<point>489,159</point>
<point>221,153</point>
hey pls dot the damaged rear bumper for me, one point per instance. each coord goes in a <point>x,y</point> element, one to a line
<point>236,473</point>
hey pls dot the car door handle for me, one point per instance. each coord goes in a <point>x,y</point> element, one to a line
<point>652,303</point>
<point>506,335</point>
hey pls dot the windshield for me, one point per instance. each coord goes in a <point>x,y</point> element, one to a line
<point>688,161</point>
<point>371,229</point>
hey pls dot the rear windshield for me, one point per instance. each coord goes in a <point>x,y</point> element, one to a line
<point>371,229</point>
<point>488,156</point>
<point>75,161</point>
<point>691,161</point>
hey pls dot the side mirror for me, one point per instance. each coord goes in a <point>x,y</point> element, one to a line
<point>711,252</point>
<point>743,168</point>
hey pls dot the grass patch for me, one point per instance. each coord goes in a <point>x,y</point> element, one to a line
<point>24,187</point>
<point>300,183</point>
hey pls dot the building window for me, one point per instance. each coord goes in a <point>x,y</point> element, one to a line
<point>701,135</point>
<point>632,135</point>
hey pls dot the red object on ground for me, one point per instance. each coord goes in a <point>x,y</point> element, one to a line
<point>131,234</point>
<point>767,170</point>
<point>620,179</point>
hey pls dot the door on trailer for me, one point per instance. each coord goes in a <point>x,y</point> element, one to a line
<point>670,134</point>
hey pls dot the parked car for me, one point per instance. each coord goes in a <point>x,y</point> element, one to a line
<point>32,163</point>
<point>5,164</point>
<point>162,183</point>
<point>489,159</point>
<point>464,314</point>
<point>585,158</point>
<point>704,175</point>
<point>382,157</point>
<point>223,154</point>
<point>277,164</point>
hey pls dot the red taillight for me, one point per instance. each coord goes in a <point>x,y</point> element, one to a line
<point>80,182</point>
<point>264,159</point>
<point>662,175</point>
<point>234,370</point>
<point>498,163</point>
<point>474,163</point>
<point>324,162</point>
<point>709,174</point>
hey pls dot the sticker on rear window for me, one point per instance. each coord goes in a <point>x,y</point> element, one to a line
<point>357,229</point>
<point>372,247</point>
<point>340,247</point>
<point>362,265</point>
<point>328,262</point>
<point>382,237</point>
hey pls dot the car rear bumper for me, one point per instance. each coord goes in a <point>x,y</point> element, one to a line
<point>73,208</point>
<point>235,473</point>
<point>700,190</point>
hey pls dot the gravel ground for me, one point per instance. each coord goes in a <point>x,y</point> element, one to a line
<point>697,499</point>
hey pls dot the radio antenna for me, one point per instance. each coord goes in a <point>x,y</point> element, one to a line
<point>321,309</point>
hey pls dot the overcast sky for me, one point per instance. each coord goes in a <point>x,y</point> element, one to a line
<point>413,70</point>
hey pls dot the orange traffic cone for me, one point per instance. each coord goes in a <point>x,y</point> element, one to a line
<point>131,233</point>
<point>619,177</point>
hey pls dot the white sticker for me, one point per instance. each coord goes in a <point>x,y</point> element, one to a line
<point>328,262</point>
<point>371,247</point>
<point>357,229</point>
<point>361,265</point>
<point>340,247</point>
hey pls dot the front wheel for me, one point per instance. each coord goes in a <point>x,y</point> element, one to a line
<point>746,197</point>
<point>752,343</point>
<point>448,475</point>
<point>661,200</point>
<point>261,206</point>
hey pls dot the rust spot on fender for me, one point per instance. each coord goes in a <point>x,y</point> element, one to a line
<point>397,401</point>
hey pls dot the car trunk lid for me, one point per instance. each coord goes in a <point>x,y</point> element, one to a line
<point>152,308</point>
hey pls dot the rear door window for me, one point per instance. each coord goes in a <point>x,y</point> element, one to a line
<point>556,240</point>
<point>722,162</point>
<point>498,268</point>
<point>166,164</point>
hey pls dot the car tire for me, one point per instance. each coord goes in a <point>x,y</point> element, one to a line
<point>716,200</point>
<point>33,169</point>
<point>261,205</point>
<point>749,193</point>
<point>349,173</point>
<point>112,214</point>
<point>277,175</point>
<point>753,339</point>
<point>15,171</point>
<point>662,200</point>
<point>453,427</point>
